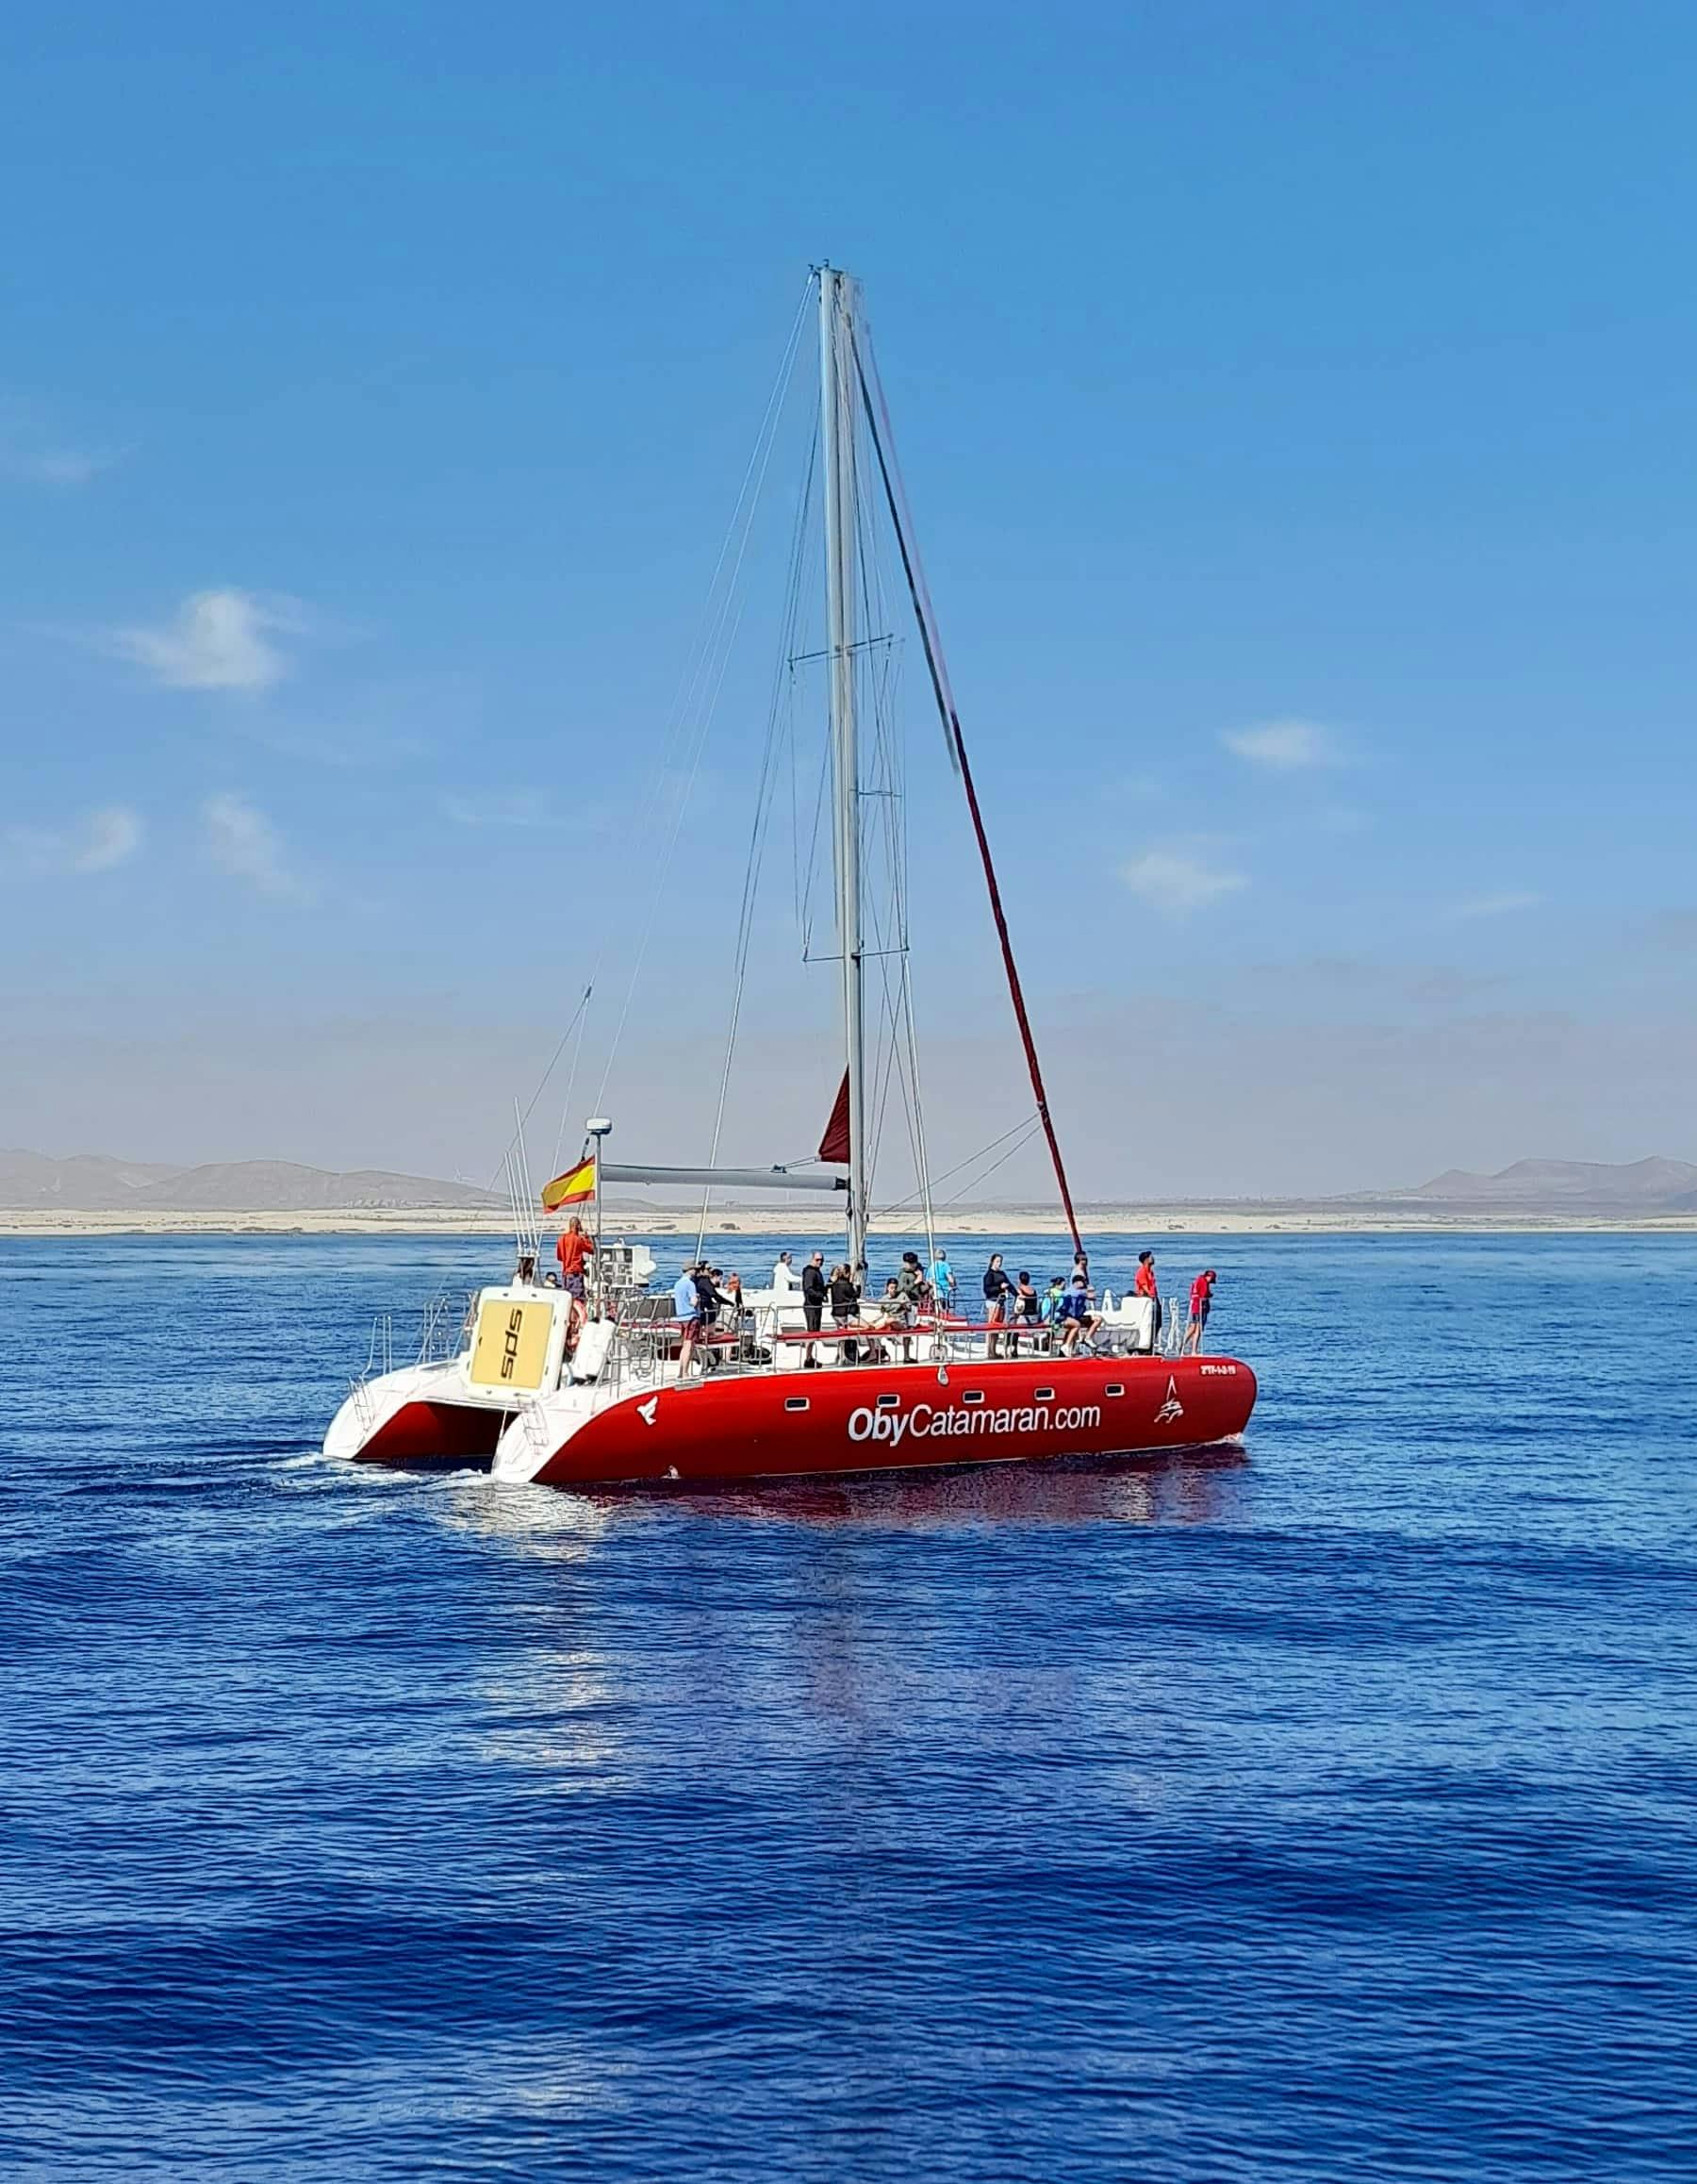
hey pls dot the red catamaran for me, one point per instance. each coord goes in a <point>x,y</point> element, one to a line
<point>554,1398</point>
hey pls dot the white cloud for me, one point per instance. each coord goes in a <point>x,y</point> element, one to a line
<point>244,842</point>
<point>1177,882</point>
<point>218,642</point>
<point>104,838</point>
<point>1286,744</point>
<point>1496,906</point>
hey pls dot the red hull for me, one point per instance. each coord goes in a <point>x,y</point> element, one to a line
<point>882,1418</point>
<point>425,1432</point>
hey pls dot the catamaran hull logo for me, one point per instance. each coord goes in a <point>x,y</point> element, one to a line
<point>927,1421</point>
<point>1171,1408</point>
<point>646,1410</point>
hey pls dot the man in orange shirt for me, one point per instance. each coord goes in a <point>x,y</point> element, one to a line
<point>1146,1285</point>
<point>574,1250</point>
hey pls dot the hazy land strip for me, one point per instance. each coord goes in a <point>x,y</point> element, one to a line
<point>1228,1218</point>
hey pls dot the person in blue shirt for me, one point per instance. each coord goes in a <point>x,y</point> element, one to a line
<point>686,1303</point>
<point>943,1280</point>
<point>1076,1319</point>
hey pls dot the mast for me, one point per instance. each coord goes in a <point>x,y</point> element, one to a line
<point>836,432</point>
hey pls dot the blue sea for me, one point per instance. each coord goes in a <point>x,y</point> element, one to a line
<point>1324,1809</point>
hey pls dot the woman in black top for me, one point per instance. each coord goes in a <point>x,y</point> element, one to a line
<point>845,1311</point>
<point>998,1290</point>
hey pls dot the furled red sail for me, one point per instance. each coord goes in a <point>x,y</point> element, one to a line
<point>835,1144</point>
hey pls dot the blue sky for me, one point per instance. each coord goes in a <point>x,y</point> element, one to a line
<point>1297,406</point>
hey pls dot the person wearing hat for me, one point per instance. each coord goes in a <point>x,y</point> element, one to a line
<point>1201,1300</point>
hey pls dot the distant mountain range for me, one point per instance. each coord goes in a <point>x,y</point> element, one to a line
<point>1638,1186</point>
<point>93,1183</point>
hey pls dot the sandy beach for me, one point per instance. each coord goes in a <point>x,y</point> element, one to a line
<point>1248,1219</point>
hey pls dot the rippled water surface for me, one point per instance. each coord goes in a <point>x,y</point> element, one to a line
<point>1323,1810</point>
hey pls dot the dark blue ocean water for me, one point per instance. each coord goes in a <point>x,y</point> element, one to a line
<point>1322,1811</point>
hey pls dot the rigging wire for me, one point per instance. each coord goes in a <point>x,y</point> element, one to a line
<point>744,922</point>
<point>680,732</point>
<point>883,447</point>
<point>577,1055</point>
<point>693,710</point>
<point>789,649</point>
<point>576,1020</point>
<point>1024,1124</point>
<point>984,1174</point>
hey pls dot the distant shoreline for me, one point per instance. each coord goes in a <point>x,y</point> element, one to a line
<point>1153,1220</point>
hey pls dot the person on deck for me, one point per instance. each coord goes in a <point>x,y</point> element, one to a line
<point>1050,1310</point>
<point>1026,1306</point>
<point>910,1280</point>
<point>845,1311</point>
<point>1077,1320</point>
<point>1201,1303</point>
<point>710,1303</point>
<point>1146,1285</point>
<point>686,1306</point>
<point>783,1275</point>
<point>999,1287</point>
<point>813,1303</point>
<point>574,1250</point>
<point>896,1313</point>
<point>943,1280</point>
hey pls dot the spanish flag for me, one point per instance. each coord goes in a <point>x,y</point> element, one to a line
<point>572,1188</point>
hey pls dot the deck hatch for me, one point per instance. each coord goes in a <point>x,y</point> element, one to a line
<point>889,1402</point>
<point>794,1403</point>
<point>972,1395</point>
<point>1114,1388</point>
<point>1043,1394</point>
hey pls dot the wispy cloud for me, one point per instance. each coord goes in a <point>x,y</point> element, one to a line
<point>1499,905</point>
<point>244,842</point>
<point>1440,984</point>
<point>217,640</point>
<point>1178,881</point>
<point>1283,745</point>
<point>54,466</point>
<point>32,452</point>
<point>1672,929</point>
<point>101,839</point>
<point>518,808</point>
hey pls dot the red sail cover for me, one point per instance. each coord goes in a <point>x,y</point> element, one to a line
<point>835,1144</point>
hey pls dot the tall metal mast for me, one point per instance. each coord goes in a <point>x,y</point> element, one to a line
<point>837,382</point>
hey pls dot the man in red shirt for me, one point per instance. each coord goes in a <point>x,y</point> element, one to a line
<point>1201,1298</point>
<point>1144,1286</point>
<point>574,1250</point>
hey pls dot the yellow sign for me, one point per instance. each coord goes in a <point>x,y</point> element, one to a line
<point>512,1345</point>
